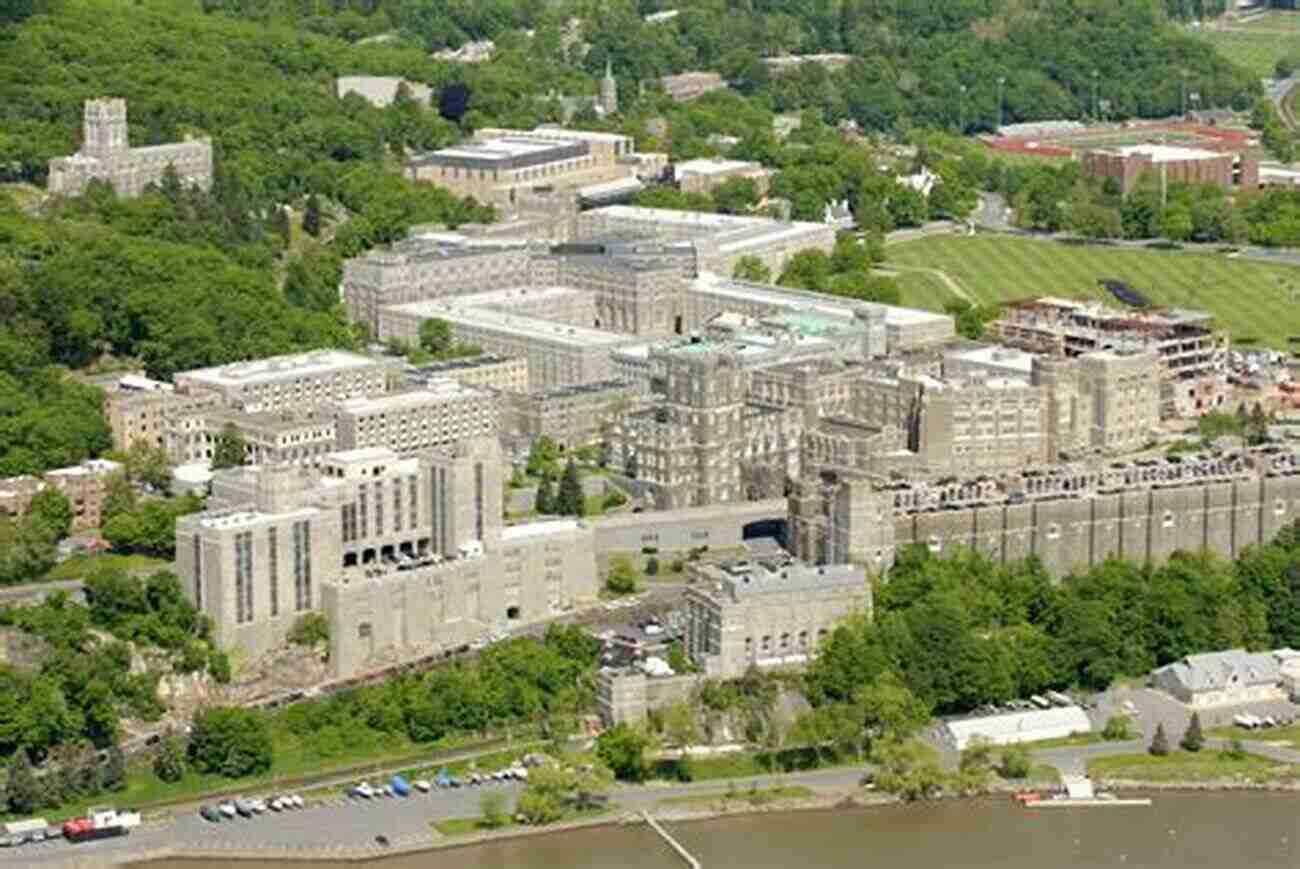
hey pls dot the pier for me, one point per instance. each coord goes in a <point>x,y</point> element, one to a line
<point>676,846</point>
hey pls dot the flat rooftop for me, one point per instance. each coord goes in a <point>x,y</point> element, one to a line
<point>315,363</point>
<point>473,316</point>
<point>1167,153</point>
<point>779,575</point>
<point>808,302</point>
<point>709,166</point>
<point>1005,358</point>
<point>506,152</point>
<point>539,529</point>
<point>436,393</point>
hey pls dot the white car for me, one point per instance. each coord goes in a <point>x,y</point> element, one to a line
<point>422,785</point>
<point>259,806</point>
<point>298,802</point>
<point>227,808</point>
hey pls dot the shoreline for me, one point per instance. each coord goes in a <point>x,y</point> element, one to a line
<point>723,808</point>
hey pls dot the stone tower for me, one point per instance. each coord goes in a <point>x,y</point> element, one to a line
<point>609,91</point>
<point>104,128</point>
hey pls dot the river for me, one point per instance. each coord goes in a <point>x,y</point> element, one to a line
<point>1218,830</point>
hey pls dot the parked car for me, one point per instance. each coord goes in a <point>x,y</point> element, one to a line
<point>258,806</point>
<point>227,809</point>
<point>210,814</point>
<point>421,785</point>
<point>244,807</point>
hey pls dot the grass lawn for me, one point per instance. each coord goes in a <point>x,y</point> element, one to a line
<point>1043,774</point>
<point>1244,295</point>
<point>1258,44</point>
<point>1066,741</point>
<point>754,796</point>
<point>1182,766</point>
<point>1289,735</point>
<point>81,566</point>
<point>463,826</point>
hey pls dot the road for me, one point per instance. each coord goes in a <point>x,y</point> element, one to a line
<point>341,825</point>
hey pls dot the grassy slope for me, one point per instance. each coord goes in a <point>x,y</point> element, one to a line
<point>1258,45</point>
<point>1243,294</point>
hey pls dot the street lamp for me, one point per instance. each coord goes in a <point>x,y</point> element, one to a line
<point>1002,80</point>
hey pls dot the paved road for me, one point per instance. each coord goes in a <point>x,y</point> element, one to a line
<point>344,825</point>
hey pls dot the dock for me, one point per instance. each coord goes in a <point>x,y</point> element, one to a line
<point>1076,802</point>
<point>673,843</point>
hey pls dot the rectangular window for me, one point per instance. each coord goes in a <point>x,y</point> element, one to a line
<point>306,563</point>
<point>397,505</point>
<point>198,574</point>
<point>361,509</point>
<point>243,577</point>
<point>343,522</point>
<point>412,496</point>
<point>379,508</point>
<point>273,569</point>
<point>478,500</point>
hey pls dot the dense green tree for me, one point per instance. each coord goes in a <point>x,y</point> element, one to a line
<point>228,448</point>
<point>51,511</point>
<point>22,791</point>
<point>1193,739</point>
<point>230,741</point>
<point>621,578</point>
<point>569,499</point>
<point>311,217</point>
<point>545,501</point>
<point>114,772</point>
<point>1160,742</point>
<point>169,758</point>
<point>622,748</point>
<point>751,268</point>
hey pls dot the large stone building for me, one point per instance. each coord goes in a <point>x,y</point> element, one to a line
<point>704,174</point>
<point>106,155</point>
<point>571,416</point>
<point>1191,354</point>
<point>499,166</point>
<point>403,556</point>
<point>295,383</point>
<point>501,373</point>
<point>419,419</point>
<point>767,613</point>
<point>1070,516</point>
<point>269,437</point>
<point>705,442</point>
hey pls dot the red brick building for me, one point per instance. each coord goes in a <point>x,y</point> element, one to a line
<point>1174,164</point>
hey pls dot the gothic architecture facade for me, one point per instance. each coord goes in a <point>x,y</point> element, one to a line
<point>105,155</point>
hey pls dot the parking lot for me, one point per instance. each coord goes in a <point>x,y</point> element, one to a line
<point>1150,708</point>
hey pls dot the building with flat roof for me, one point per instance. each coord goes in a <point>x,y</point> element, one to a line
<point>558,354</point>
<point>293,437</point>
<point>500,373</point>
<point>1190,353</point>
<point>687,86</point>
<point>409,422</point>
<point>767,613</point>
<point>1071,516</point>
<point>381,90</point>
<point>499,166</point>
<point>571,416</point>
<point>704,174</point>
<point>295,382</point>
<point>85,486</point>
<point>1161,163</point>
<point>404,556</point>
<point>1010,728</point>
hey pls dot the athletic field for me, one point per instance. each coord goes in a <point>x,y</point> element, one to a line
<point>1250,299</point>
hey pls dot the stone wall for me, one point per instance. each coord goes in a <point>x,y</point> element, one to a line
<point>718,526</point>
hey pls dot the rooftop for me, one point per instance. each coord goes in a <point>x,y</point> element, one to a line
<point>539,529</point>
<point>316,362</point>
<point>462,311</point>
<point>1167,153</point>
<point>437,391</point>
<point>997,357</point>
<point>506,152</point>
<point>779,575</point>
<point>710,166</point>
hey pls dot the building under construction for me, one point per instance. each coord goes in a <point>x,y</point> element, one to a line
<point>1191,352</point>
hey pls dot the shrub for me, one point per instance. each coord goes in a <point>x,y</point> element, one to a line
<point>310,630</point>
<point>1117,728</point>
<point>652,566</point>
<point>622,577</point>
<point>230,741</point>
<point>492,807</point>
<point>1193,739</point>
<point>1015,763</point>
<point>1160,742</point>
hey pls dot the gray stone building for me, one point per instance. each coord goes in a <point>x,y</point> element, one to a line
<point>705,442</point>
<point>403,556</point>
<point>501,373</point>
<point>1070,516</point>
<point>409,422</point>
<point>572,416</point>
<point>1190,353</point>
<point>767,613</point>
<point>297,382</point>
<point>106,155</point>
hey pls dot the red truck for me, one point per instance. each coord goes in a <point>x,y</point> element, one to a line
<point>100,823</point>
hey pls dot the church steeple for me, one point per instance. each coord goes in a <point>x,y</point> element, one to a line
<point>608,90</point>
